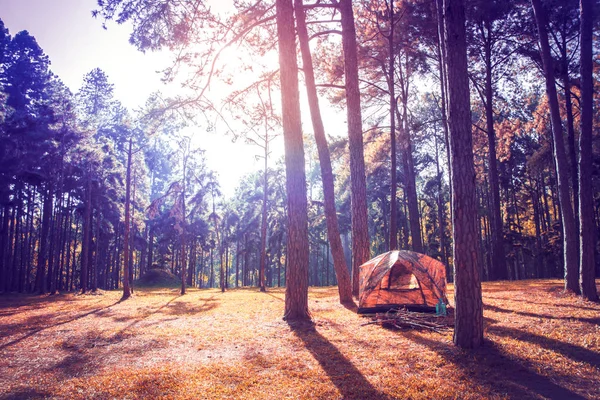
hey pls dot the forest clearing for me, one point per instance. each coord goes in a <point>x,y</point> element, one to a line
<point>540,343</point>
<point>203,198</point>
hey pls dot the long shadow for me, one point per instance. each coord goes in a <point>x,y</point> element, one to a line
<point>593,321</point>
<point>144,316</point>
<point>25,393</point>
<point>185,308</point>
<point>542,303</point>
<point>273,296</point>
<point>342,373</point>
<point>38,330</point>
<point>574,352</point>
<point>489,367</point>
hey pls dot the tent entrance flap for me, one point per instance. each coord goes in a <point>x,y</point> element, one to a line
<point>401,278</point>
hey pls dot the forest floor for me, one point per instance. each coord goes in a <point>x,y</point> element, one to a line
<point>540,343</point>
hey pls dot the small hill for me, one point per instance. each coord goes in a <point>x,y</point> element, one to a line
<point>157,277</point>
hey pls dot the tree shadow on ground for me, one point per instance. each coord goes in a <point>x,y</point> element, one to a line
<point>489,307</point>
<point>25,393</point>
<point>489,367</point>
<point>568,350</point>
<point>63,322</point>
<point>543,303</point>
<point>273,296</point>
<point>184,308</point>
<point>342,373</point>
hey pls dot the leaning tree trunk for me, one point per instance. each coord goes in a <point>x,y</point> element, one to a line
<point>296,291</point>
<point>570,239</point>
<point>468,331</point>
<point>333,231</point>
<point>358,192</point>
<point>586,196</point>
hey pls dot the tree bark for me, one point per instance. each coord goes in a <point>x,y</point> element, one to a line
<point>333,231</point>
<point>296,291</point>
<point>570,239</point>
<point>358,193</point>
<point>468,331</point>
<point>587,226</point>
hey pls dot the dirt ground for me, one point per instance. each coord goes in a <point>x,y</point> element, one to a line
<point>540,343</point>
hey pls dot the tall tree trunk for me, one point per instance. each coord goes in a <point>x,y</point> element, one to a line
<point>410,187</point>
<point>441,205</point>
<point>570,239</point>
<point>40,279</point>
<point>497,256</point>
<point>296,292</point>
<point>439,4</point>
<point>132,234</point>
<point>151,246</point>
<point>237,262</point>
<point>586,197</point>
<point>333,231</point>
<point>263,222</point>
<point>468,331</point>
<point>87,231</point>
<point>4,248</point>
<point>393,233</point>
<point>127,226</point>
<point>358,192</point>
<point>18,242</point>
<point>572,154</point>
<point>184,225</point>
<point>26,264</point>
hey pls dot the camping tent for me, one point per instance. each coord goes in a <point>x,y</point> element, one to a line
<point>401,278</point>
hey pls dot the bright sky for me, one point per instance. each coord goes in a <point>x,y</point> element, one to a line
<point>76,43</point>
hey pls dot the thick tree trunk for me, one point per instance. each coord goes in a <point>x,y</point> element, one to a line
<point>468,331</point>
<point>333,231</point>
<point>358,192</point>
<point>296,292</point>
<point>570,239</point>
<point>586,201</point>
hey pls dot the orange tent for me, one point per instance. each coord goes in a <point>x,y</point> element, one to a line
<point>401,278</point>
